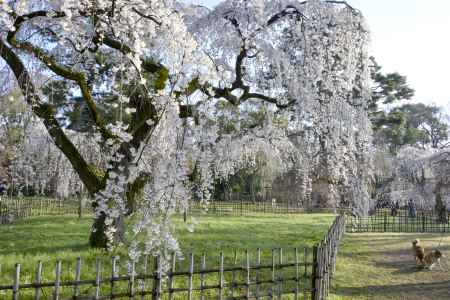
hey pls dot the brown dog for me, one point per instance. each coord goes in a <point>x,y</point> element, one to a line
<point>418,252</point>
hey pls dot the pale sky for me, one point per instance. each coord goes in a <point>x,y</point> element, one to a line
<point>411,37</point>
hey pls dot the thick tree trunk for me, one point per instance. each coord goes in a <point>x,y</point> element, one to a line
<point>98,238</point>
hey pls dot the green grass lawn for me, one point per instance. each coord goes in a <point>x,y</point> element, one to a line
<point>50,238</point>
<point>381,266</point>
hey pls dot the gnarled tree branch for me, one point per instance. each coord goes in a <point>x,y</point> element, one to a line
<point>58,69</point>
<point>45,111</point>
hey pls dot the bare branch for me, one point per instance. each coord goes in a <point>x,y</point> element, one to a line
<point>288,11</point>
<point>148,17</point>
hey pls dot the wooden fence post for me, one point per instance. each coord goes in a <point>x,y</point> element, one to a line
<point>97,278</point>
<point>258,265</point>
<point>57,280</point>
<point>37,291</point>
<point>274,279</point>
<point>16,283</point>
<point>76,290</point>
<point>305,283</point>
<point>247,275</point>
<point>131,279</point>
<point>202,276</point>
<point>145,272</point>
<point>296,273</point>
<point>113,273</point>
<point>190,276</point>
<point>157,280</point>
<point>233,274</point>
<point>280,278</point>
<point>171,276</point>
<point>221,276</point>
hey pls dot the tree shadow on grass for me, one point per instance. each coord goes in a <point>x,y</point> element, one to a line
<point>433,290</point>
<point>400,266</point>
<point>43,236</point>
<point>36,250</point>
<point>379,253</point>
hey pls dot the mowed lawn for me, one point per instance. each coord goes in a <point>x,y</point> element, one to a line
<point>381,266</point>
<point>47,239</point>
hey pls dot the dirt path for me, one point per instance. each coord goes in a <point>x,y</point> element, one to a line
<point>381,266</point>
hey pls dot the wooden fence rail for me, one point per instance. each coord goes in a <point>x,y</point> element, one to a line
<point>285,274</point>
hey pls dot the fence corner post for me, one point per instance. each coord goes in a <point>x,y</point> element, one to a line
<point>314,276</point>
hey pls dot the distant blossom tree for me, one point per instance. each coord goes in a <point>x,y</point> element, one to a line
<point>421,175</point>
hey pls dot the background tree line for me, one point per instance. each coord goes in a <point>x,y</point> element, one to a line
<point>405,124</point>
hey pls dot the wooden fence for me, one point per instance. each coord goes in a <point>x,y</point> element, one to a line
<point>18,208</point>
<point>384,220</point>
<point>250,278</point>
<point>301,273</point>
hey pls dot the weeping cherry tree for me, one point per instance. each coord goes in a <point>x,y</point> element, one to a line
<point>154,79</point>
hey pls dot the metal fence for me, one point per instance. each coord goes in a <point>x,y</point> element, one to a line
<point>299,273</point>
<point>18,208</point>
<point>401,220</point>
<point>242,208</point>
